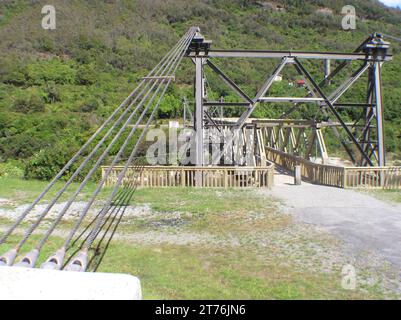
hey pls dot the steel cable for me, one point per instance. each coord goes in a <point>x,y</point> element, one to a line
<point>121,175</point>
<point>172,59</point>
<point>115,160</point>
<point>121,201</point>
<point>92,222</point>
<point>75,157</point>
<point>133,186</point>
<point>94,168</point>
<point>180,48</point>
<point>124,201</point>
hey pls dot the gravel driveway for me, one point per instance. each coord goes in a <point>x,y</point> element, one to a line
<point>365,224</point>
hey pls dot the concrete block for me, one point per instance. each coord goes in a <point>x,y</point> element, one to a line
<point>18,283</point>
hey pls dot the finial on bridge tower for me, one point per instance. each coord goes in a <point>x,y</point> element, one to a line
<point>199,45</point>
<point>377,47</point>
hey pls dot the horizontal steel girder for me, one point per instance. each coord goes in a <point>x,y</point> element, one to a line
<point>290,99</point>
<point>289,54</point>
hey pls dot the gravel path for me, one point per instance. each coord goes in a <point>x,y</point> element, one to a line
<point>365,224</point>
<point>72,214</point>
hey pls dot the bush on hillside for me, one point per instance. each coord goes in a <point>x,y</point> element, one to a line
<point>86,75</point>
<point>47,163</point>
<point>55,70</point>
<point>52,92</point>
<point>28,103</point>
<point>11,169</point>
<point>89,105</point>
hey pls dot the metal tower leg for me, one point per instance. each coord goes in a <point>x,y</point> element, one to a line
<point>199,112</point>
<point>379,114</point>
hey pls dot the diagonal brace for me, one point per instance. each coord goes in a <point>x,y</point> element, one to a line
<point>231,83</point>
<point>333,110</point>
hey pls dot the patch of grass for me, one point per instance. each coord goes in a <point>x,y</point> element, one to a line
<point>21,191</point>
<point>190,272</point>
<point>194,272</point>
<point>4,221</point>
<point>218,211</point>
<point>386,195</point>
<point>197,200</point>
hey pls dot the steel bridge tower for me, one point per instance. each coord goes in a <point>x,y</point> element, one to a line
<point>363,140</point>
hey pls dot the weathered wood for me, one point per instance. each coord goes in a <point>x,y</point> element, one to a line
<point>341,177</point>
<point>211,177</point>
<point>373,177</point>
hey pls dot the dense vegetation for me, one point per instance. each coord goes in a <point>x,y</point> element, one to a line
<point>57,86</point>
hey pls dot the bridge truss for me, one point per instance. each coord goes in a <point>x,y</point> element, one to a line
<point>363,140</point>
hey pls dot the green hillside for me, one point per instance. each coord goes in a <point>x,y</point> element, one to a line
<point>57,86</point>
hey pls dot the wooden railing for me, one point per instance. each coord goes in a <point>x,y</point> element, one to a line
<point>341,177</point>
<point>373,177</point>
<point>206,177</point>
<point>312,172</point>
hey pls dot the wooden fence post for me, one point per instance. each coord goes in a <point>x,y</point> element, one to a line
<point>225,178</point>
<point>344,178</point>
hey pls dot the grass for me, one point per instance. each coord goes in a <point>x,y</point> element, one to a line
<point>386,195</point>
<point>247,270</point>
<point>185,272</point>
<point>193,272</point>
<point>217,211</point>
<point>21,191</point>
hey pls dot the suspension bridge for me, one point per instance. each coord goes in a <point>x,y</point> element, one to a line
<point>286,142</point>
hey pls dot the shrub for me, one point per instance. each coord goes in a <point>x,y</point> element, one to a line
<point>53,70</point>
<point>46,44</point>
<point>86,75</point>
<point>89,105</point>
<point>12,70</point>
<point>52,93</point>
<point>47,163</point>
<point>169,107</point>
<point>21,146</point>
<point>28,103</point>
<point>11,169</point>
